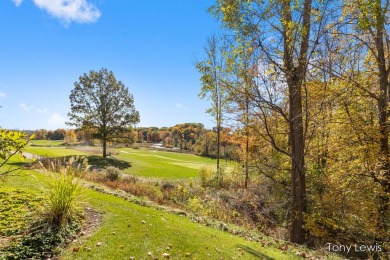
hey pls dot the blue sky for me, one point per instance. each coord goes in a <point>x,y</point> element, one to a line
<point>151,46</point>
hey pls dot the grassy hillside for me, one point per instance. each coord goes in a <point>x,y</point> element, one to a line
<point>129,230</point>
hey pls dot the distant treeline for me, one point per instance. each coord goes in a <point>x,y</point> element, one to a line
<point>193,137</point>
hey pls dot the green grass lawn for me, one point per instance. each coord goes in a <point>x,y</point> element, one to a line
<point>128,229</point>
<point>162,164</point>
<point>48,143</point>
<point>52,151</point>
<point>139,162</point>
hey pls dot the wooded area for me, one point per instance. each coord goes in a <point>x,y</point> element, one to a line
<point>307,83</point>
<point>299,96</point>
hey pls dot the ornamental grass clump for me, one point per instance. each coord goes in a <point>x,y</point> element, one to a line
<point>62,193</point>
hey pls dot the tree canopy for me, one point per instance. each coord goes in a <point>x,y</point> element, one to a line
<point>100,102</point>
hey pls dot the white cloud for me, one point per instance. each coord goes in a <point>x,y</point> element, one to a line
<point>32,108</point>
<point>79,11</point>
<point>17,2</point>
<point>181,107</point>
<point>26,107</point>
<point>42,111</point>
<point>56,120</point>
<point>2,94</point>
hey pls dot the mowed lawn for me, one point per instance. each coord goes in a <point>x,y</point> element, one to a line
<point>48,143</point>
<point>162,164</point>
<point>144,162</point>
<point>52,151</point>
<point>129,230</point>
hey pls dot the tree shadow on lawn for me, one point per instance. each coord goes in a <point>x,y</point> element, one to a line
<point>22,164</point>
<point>255,253</point>
<point>104,162</point>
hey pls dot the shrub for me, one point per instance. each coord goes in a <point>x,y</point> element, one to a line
<point>211,177</point>
<point>112,173</point>
<point>205,174</point>
<point>196,205</point>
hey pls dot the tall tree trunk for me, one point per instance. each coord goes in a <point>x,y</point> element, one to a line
<point>218,117</point>
<point>207,145</point>
<point>383,95</point>
<point>247,140</point>
<point>218,145</point>
<point>295,72</point>
<point>298,182</point>
<point>384,172</point>
<point>104,147</point>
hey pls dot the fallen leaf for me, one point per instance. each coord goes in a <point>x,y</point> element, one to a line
<point>302,254</point>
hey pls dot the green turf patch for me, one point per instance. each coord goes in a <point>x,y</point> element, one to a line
<point>162,164</point>
<point>17,209</point>
<point>52,151</point>
<point>139,162</point>
<point>48,143</point>
<point>130,230</point>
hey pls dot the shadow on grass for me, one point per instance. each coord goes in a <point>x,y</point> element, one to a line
<point>102,162</point>
<point>19,164</point>
<point>256,254</point>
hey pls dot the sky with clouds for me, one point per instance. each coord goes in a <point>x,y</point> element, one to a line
<point>151,46</point>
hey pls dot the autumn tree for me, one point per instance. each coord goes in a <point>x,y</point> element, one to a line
<point>212,88</point>
<point>98,101</point>
<point>58,134</point>
<point>356,57</point>
<point>153,136</point>
<point>70,137</point>
<point>370,30</point>
<point>286,34</point>
<point>40,134</point>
